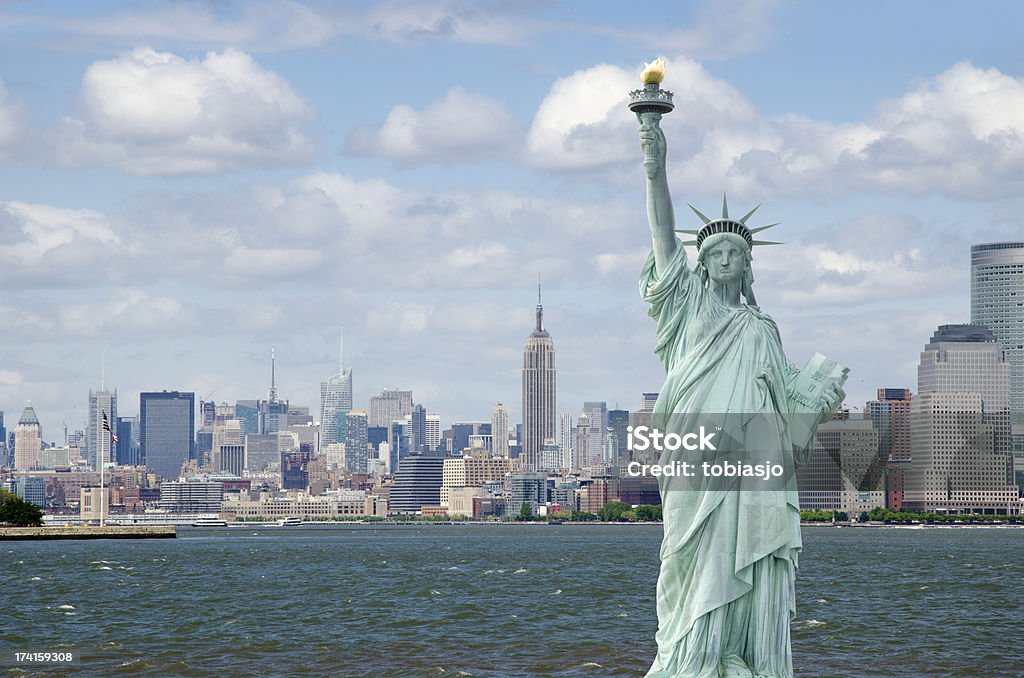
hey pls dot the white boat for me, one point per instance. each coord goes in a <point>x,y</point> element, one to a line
<point>290,521</point>
<point>209,522</point>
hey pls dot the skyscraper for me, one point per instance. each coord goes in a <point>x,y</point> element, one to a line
<point>890,415</point>
<point>499,431</point>
<point>598,411</point>
<point>960,425</point>
<point>28,440</point>
<point>355,441</point>
<point>273,412</point>
<point>418,429</point>
<point>566,441</point>
<point>335,396</point>
<point>618,421</point>
<point>997,302</point>
<point>538,390</point>
<point>166,424</point>
<point>128,451</point>
<point>390,405</point>
<point>99,445</point>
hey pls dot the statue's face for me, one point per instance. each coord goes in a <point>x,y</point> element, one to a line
<point>725,262</point>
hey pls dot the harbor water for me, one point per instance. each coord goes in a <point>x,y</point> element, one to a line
<point>482,600</point>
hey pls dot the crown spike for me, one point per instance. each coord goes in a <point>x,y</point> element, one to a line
<point>766,242</point>
<point>763,228</point>
<point>687,231</point>
<point>725,207</point>
<point>697,212</point>
<point>743,219</point>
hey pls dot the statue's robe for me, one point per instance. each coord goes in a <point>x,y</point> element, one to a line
<point>729,555</point>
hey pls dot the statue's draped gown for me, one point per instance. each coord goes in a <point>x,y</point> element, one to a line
<point>729,555</point>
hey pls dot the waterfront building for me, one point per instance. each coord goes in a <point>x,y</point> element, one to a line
<point>844,471</point>
<point>191,496</point>
<point>960,426</point>
<point>417,484</point>
<point>530,489</point>
<point>470,472</point>
<point>499,431</point>
<point>330,505</point>
<point>539,387</point>
<point>598,493</point>
<point>99,443</point>
<point>166,425</point>
<point>28,440</point>
<point>94,503</point>
<point>997,302</point>
<point>32,489</point>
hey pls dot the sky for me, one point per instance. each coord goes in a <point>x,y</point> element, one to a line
<point>185,184</point>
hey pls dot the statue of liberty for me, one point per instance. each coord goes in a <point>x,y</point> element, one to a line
<point>726,586</point>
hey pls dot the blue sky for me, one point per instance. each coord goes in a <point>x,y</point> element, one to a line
<point>183,185</point>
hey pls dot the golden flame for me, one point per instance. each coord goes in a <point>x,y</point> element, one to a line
<point>654,72</point>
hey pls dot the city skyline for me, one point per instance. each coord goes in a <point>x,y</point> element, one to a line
<point>132,238</point>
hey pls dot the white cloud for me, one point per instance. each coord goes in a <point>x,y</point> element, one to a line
<point>960,133</point>
<point>42,245</point>
<point>126,310</point>
<point>461,127</point>
<point>271,25</point>
<point>584,121</point>
<point>12,118</point>
<point>272,263</point>
<point>156,113</point>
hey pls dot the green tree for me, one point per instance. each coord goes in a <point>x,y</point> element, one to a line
<point>16,511</point>
<point>613,511</point>
<point>648,512</point>
<point>525,513</point>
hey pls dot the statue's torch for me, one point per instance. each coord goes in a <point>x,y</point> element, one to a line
<point>651,99</point>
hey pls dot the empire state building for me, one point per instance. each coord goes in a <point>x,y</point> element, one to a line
<point>538,390</point>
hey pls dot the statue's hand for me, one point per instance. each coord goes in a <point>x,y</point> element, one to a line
<point>652,143</point>
<point>832,398</point>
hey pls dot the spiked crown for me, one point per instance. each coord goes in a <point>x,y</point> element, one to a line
<point>726,225</point>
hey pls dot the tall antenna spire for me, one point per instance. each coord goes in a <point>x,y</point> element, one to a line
<point>341,352</point>
<point>540,309</point>
<point>273,383</point>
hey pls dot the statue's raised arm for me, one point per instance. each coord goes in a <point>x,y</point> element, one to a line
<point>660,214</point>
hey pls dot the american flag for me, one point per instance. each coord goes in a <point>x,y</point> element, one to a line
<point>106,427</point>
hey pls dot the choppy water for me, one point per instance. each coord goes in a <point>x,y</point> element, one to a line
<point>503,600</point>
